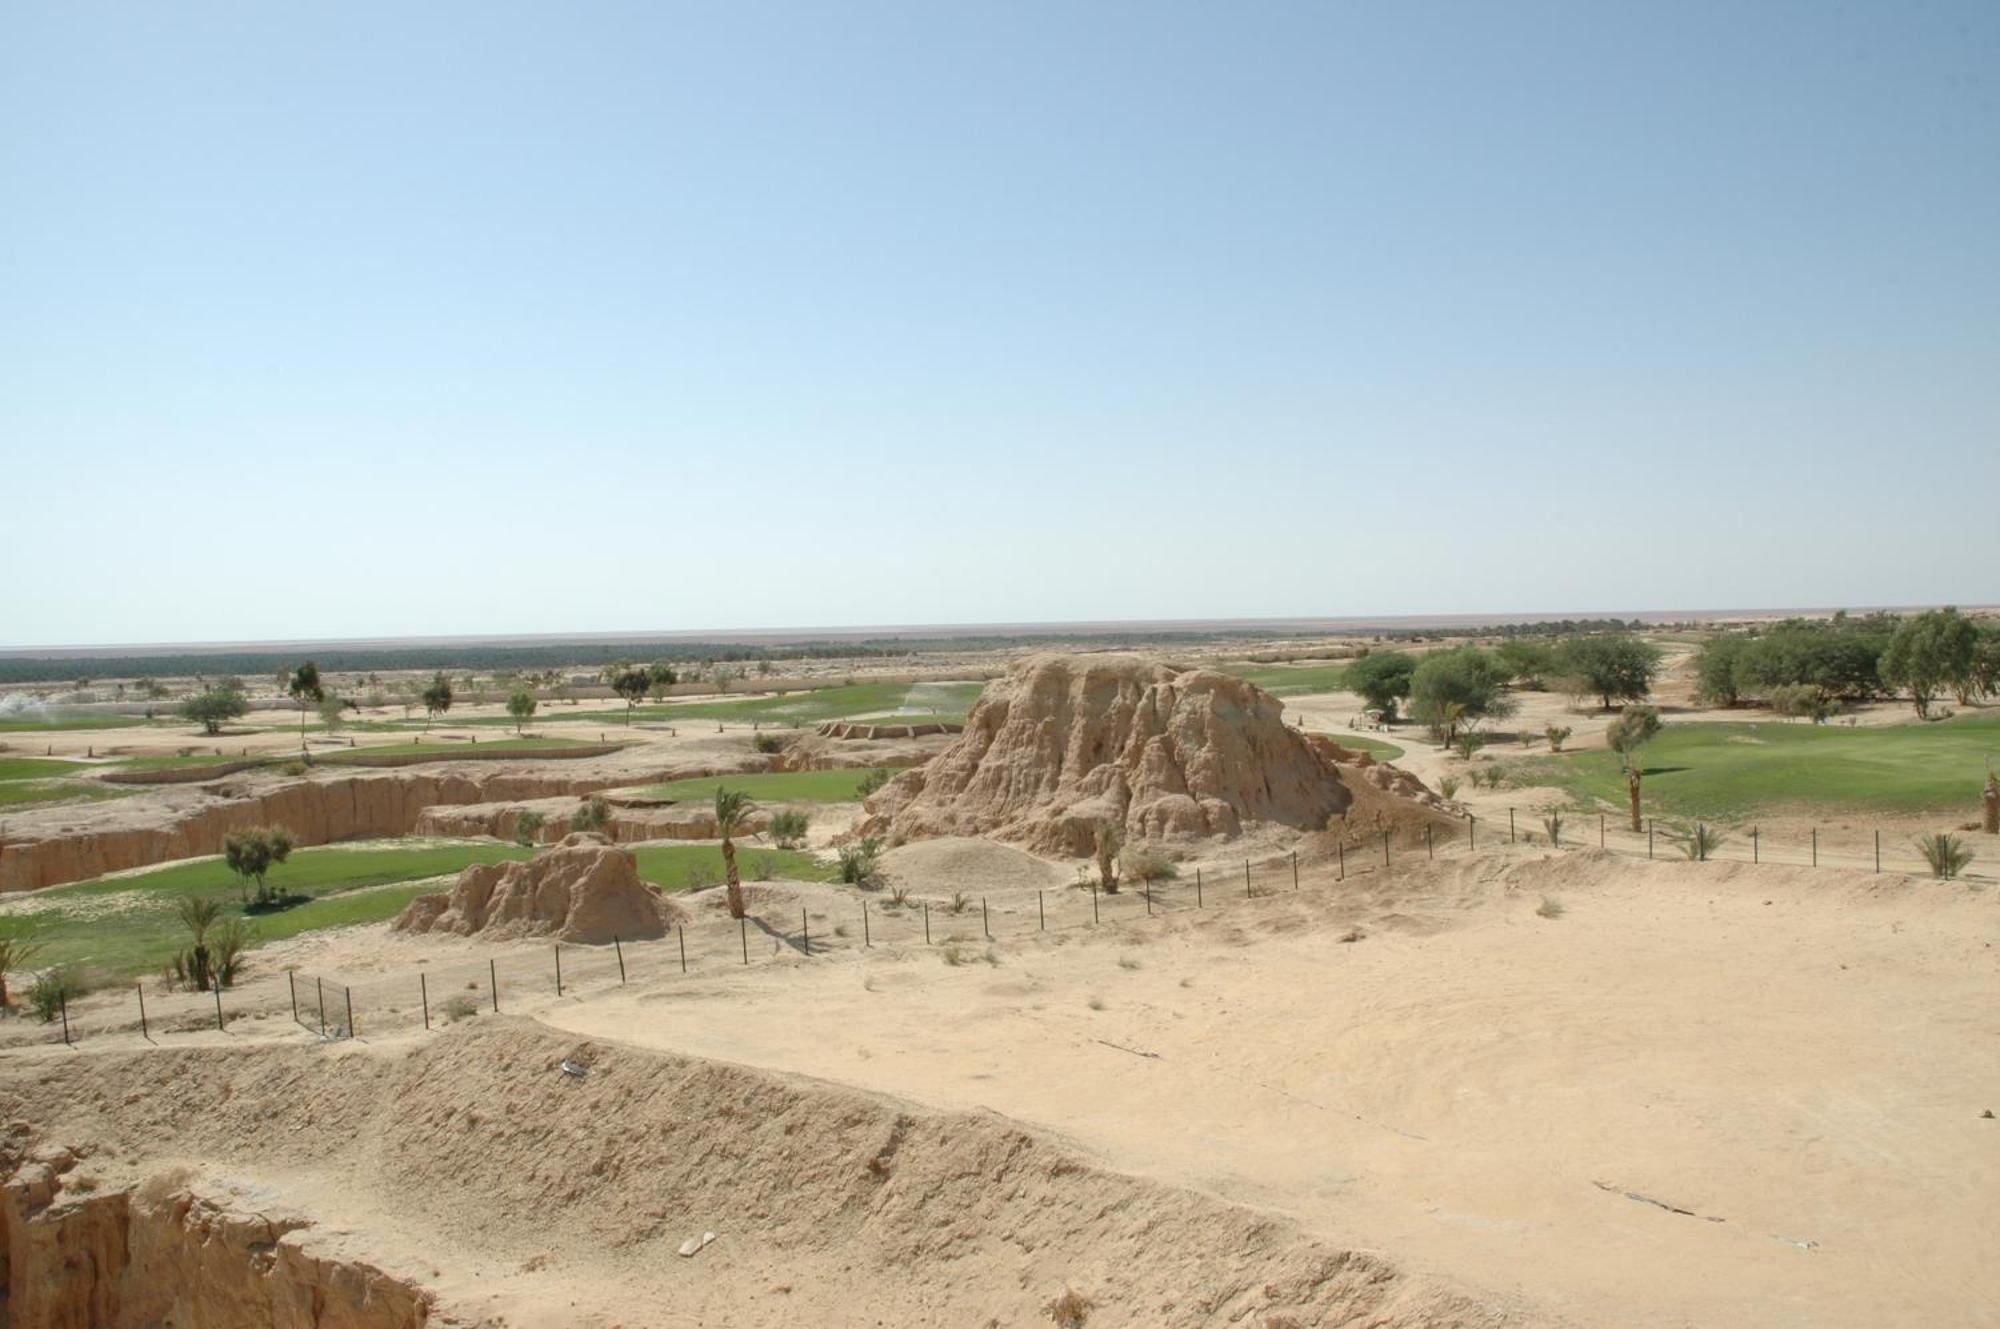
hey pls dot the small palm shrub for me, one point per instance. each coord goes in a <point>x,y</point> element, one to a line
<point>1701,842</point>
<point>1553,824</point>
<point>1946,854</point>
<point>1150,865</point>
<point>1448,786</point>
<point>1468,743</point>
<point>1556,733</point>
<point>51,990</point>
<point>788,827</point>
<point>860,862</point>
<point>960,902</point>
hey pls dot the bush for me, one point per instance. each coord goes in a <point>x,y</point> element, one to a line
<point>788,827</point>
<point>762,867</point>
<point>768,742</point>
<point>1072,1308</point>
<point>872,781</point>
<point>460,1007</point>
<point>51,990</point>
<point>1150,865</point>
<point>1553,824</point>
<point>1946,854</point>
<point>1804,701</point>
<point>1550,907</point>
<point>214,708</point>
<point>593,815</point>
<point>1468,744</point>
<point>859,865</point>
<point>528,828</point>
<point>1557,734</point>
<point>1448,786</point>
<point>1700,842</point>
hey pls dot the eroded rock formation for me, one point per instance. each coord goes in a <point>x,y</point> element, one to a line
<point>1065,743</point>
<point>584,889</point>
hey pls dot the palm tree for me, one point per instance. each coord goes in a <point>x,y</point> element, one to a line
<point>732,809</point>
<point>16,950</point>
<point>198,913</point>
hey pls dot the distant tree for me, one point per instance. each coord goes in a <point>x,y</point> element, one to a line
<point>252,853</point>
<point>660,676</point>
<point>1631,731</point>
<point>732,811</point>
<point>521,705</point>
<point>1458,689</point>
<point>436,697</point>
<point>303,686</point>
<point>214,708</point>
<point>1930,652</point>
<point>1613,666</point>
<point>1526,663</point>
<point>1986,660</point>
<point>1382,680</point>
<point>1718,669</point>
<point>332,711</point>
<point>631,684</point>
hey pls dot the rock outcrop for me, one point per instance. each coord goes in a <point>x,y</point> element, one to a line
<point>1065,743</point>
<point>585,889</point>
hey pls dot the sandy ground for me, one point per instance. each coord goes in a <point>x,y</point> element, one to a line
<point>1516,1103</point>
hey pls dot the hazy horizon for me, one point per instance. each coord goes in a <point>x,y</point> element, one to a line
<point>329,322</point>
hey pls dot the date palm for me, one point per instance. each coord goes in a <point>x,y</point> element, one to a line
<point>732,811</point>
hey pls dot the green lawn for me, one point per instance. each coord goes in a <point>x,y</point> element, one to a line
<point>56,724</point>
<point>20,793</point>
<point>36,768</point>
<point>778,787</point>
<point>126,925</point>
<point>802,708</point>
<point>682,867</point>
<point>1292,680</point>
<point>445,748</point>
<point>1374,747</point>
<point>1725,771</point>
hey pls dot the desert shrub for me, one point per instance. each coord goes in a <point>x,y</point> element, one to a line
<point>762,867</point>
<point>860,863</point>
<point>1448,786</point>
<point>898,897</point>
<point>1150,865</point>
<point>252,853</point>
<point>528,828</point>
<point>872,781</point>
<point>1550,907</point>
<point>960,902</point>
<point>51,989</point>
<point>17,948</point>
<point>594,814</point>
<point>788,827</point>
<point>226,946</point>
<point>1804,701</point>
<point>701,876</point>
<point>765,742</point>
<point>1556,734</point>
<point>1110,839</point>
<point>954,957</point>
<point>1945,853</point>
<point>1467,744</point>
<point>1070,1310</point>
<point>214,708</point>
<point>1700,842</point>
<point>296,766</point>
<point>1553,824</point>
<point>460,1007</point>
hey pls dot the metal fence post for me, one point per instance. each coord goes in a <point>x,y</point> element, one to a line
<point>558,969</point>
<point>319,992</point>
<point>1600,830</point>
<point>1295,869</point>
<point>743,935</point>
<point>1385,848</point>
<point>217,990</point>
<point>350,1011</point>
<point>1246,879</point>
<point>291,981</point>
<point>681,932</point>
<point>985,919</point>
<point>1510,825</point>
<point>144,1032</point>
<point>1146,888</point>
<point>1471,835</point>
<point>62,1000</point>
<point>493,983</point>
<point>1093,912</point>
<point>867,939</point>
<point>1756,854</point>
<point>927,922</point>
<point>424,994</point>
<point>1430,849</point>
<point>1878,851</point>
<point>1815,846</point>
<point>1197,888</point>
<point>1340,846</point>
<point>1041,912</point>
<point>619,947</point>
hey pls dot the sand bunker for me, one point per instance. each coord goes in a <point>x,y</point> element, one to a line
<point>584,889</point>
<point>1065,743</point>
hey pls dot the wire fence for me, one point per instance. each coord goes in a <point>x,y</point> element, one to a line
<point>959,925</point>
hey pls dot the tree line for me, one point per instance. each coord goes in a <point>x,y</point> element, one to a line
<point>1810,667</point>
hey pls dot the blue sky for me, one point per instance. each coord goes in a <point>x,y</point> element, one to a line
<point>326,320</point>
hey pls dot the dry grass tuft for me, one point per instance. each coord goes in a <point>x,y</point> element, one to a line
<point>1070,1310</point>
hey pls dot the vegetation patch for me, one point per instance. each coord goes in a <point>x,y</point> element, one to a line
<point>1728,770</point>
<point>771,787</point>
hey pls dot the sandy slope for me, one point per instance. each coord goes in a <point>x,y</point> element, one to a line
<point>1803,1056</point>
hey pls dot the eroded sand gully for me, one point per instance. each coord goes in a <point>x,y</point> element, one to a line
<point>1214,1118</point>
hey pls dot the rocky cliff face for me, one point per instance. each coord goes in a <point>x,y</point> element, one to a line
<point>161,1255</point>
<point>1064,743</point>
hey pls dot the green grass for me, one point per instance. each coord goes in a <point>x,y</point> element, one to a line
<point>57,724</point>
<point>20,793</point>
<point>1292,680</point>
<point>170,763</point>
<point>126,925</point>
<point>802,708</point>
<point>680,867</point>
<point>778,787</point>
<point>444,749</point>
<point>1727,771</point>
<point>1374,747</point>
<point>36,768</point>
